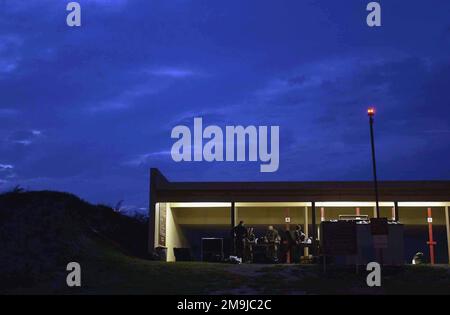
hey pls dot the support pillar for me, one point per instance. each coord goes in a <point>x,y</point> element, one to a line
<point>288,228</point>
<point>151,227</point>
<point>233,224</point>
<point>306,251</point>
<point>314,229</point>
<point>396,211</point>
<point>152,211</point>
<point>322,218</point>
<point>431,243</point>
<point>375,213</point>
<point>447,225</point>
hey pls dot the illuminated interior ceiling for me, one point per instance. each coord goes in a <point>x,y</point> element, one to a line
<point>306,204</point>
<point>237,204</point>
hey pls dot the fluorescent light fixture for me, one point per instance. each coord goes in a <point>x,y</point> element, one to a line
<point>200,204</point>
<point>272,204</point>
<point>353,204</point>
<point>424,204</point>
<point>341,204</point>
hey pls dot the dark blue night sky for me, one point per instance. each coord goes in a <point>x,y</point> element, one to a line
<point>89,110</point>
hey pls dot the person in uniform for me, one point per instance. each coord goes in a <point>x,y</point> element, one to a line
<point>299,236</point>
<point>299,239</point>
<point>239,233</point>
<point>250,241</point>
<point>273,240</point>
<point>288,244</point>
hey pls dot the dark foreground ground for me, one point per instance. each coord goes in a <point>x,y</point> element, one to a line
<point>111,272</point>
<point>41,232</point>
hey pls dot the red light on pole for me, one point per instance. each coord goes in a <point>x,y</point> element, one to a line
<point>371,113</point>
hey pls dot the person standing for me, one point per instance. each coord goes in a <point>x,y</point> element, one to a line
<point>250,241</point>
<point>299,236</point>
<point>240,233</point>
<point>273,239</point>
<point>299,239</point>
<point>287,244</point>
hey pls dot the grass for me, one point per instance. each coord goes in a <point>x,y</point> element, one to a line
<point>107,271</point>
<point>310,279</point>
<point>104,270</point>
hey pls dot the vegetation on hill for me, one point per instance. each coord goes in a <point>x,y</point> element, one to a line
<point>41,231</point>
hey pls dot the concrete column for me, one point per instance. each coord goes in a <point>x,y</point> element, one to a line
<point>306,251</point>
<point>233,224</point>
<point>174,235</point>
<point>152,238</point>
<point>233,215</point>
<point>397,218</point>
<point>313,224</point>
<point>152,229</point>
<point>375,212</point>
<point>447,225</point>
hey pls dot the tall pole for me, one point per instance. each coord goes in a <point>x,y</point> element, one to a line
<point>447,226</point>
<point>371,113</point>
<point>313,223</point>
<point>233,224</point>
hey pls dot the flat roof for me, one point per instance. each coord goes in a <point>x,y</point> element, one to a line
<point>163,190</point>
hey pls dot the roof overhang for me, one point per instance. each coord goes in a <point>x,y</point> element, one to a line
<point>162,190</point>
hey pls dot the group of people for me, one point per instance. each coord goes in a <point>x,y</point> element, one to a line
<point>245,241</point>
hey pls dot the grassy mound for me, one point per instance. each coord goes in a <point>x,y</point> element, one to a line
<point>42,231</point>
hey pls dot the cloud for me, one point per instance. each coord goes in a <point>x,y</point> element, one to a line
<point>177,73</point>
<point>6,173</point>
<point>127,98</point>
<point>143,89</point>
<point>145,159</point>
<point>10,45</point>
<point>4,167</point>
<point>25,137</point>
<point>23,142</point>
<point>8,112</point>
<point>7,66</point>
